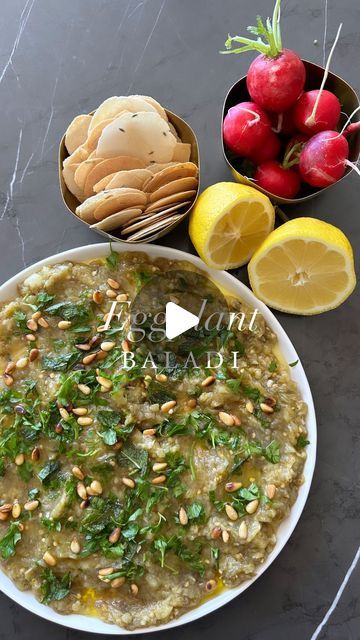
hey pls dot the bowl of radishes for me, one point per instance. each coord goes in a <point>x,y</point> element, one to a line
<point>290,127</point>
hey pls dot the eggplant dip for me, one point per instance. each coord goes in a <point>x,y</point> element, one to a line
<point>132,494</point>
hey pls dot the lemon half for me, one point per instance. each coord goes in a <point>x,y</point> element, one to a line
<point>305,267</point>
<point>229,222</point>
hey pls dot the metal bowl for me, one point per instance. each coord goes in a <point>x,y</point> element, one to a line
<point>314,73</point>
<point>185,133</point>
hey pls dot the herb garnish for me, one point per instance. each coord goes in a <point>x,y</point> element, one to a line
<point>54,587</point>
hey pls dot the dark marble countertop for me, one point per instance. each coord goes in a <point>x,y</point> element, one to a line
<point>58,59</point>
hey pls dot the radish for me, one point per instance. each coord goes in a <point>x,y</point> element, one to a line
<point>277,179</point>
<point>324,158</point>
<point>293,149</point>
<point>268,151</point>
<point>317,111</point>
<point>276,77</point>
<point>283,123</point>
<point>246,128</point>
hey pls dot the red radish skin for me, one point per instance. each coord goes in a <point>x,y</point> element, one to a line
<point>276,83</point>
<point>325,117</point>
<point>246,128</point>
<point>281,182</point>
<point>268,151</point>
<point>324,158</point>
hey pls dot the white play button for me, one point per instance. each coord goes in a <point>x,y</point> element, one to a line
<point>178,320</point>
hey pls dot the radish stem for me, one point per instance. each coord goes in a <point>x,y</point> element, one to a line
<point>349,120</point>
<point>352,165</point>
<point>311,119</point>
<point>268,39</point>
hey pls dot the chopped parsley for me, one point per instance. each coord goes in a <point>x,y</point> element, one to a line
<point>53,586</point>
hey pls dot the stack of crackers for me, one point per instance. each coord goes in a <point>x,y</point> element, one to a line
<point>128,168</point>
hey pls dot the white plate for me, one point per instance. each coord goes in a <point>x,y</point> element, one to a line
<point>232,285</point>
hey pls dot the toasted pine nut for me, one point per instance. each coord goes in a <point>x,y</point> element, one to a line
<point>30,337</point>
<point>81,491</point>
<point>101,355</point>
<point>49,559</point>
<point>249,406</point>
<point>210,585</point>
<point>113,283</point>
<point>165,408</point>
<point>36,315</point>
<point>77,473</point>
<point>6,508</point>
<point>106,571</point>
<point>191,403</point>
<point>230,512</point>
<point>75,546</point>
<point>33,355</point>
<point>134,589</point>
<point>118,582</point>
<point>22,363</point>
<point>270,491</point>
<point>110,293</point>
<point>97,297</point>
<point>10,367</point>
<point>225,536</point>
<point>31,505</point>
<point>96,487</point>
<point>107,346</point>
<point>232,486</point>
<point>64,413</point>
<point>226,418</point>
<point>80,411</point>
<point>243,530</point>
<point>32,325</point>
<point>8,379</point>
<point>64,324</point>
<point>114,535</point>
<point>43,323</point>
<point>158,479</point>
<point>216,533</point>
<point>84,421</point>
<point>84,389</point>
<point>149,432</point>
<point>122,297</point>
<point>208,381</point>
<point>83,347</point>
<point>159,466</point>
<point>128,482</point>
<point>35,454</point>
<point>265,408</point>
<point>161,377</point>
<point>89,359</point>
<point>183,516</point>
<point>19,459</point>
<point>252,506</point>
<point>237,421</point>
<point>16,510</point>
<point>125,346</point>
<point>3,516</point>
<point>104,382</point>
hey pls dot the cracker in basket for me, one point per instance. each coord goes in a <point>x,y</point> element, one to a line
<point>110,165</point>
<point>144,135</point>
<point>175,186</point>
<point>134,178</point>
<point>173,199</point>
<point>170,173</point>
<point>111,108</point>
<point>68,175</point>
<point>85,211</point>
<point>182,152</point>
<point>117,199</point>
<point>84,169</point>
<point>77,132</point>
<point>116,220</point>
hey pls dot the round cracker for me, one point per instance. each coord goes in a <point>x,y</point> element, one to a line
<point>84,169</point>
<point>173,187</point>
<point>182,152</point>
<point>167,210</point>
<point>157,226</point>
<point>110,165</point>
<point>85,211</point>
<point>68,175</point>
<point>80,154</point>
<point>134,178</point>
<point>77,132</point>
<point>143,134</point>
<point>111,107</point>
<point>102,184</point>
<point>155,167</point>
<point>94,135</point>
<point>117,199</point>
<point>168,174</point>
<point>173,199</point>
<point>117,219</point>
<point>154,103</point>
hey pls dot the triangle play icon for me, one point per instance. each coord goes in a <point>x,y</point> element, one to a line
<point>178,320</point>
